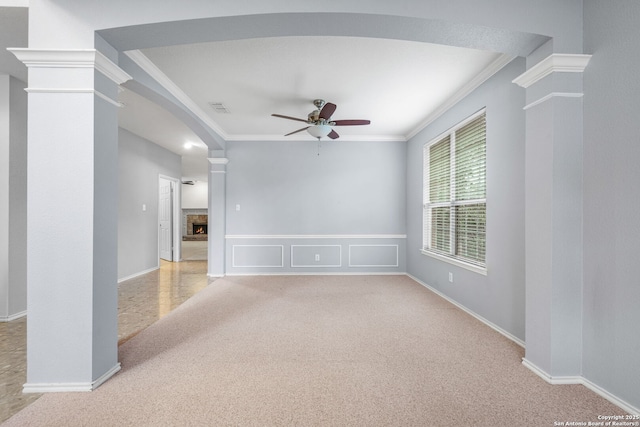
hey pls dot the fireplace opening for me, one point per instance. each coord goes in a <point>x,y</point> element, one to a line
<point>199,229</point>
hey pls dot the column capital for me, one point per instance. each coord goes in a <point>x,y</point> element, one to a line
<point>218,160</point>
<point>554,63</point>
<point>71,58</point>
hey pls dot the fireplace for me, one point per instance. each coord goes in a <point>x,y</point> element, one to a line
<point>199,229</point>
<point>196,226</point>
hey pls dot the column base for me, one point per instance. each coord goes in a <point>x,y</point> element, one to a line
<point>69,387</point>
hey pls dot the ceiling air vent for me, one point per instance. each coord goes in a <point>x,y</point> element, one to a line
<point>219,107</point>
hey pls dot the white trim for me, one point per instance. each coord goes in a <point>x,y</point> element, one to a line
<point>377,265</point>
<point>456,262</point>
<point>150,68</point>
<point>218,160</point>
<point>497,65</point>
<point>625,406</point>
<point>176,218</point>
<point>70,387</point>
<point>12,317</point>
<point>554,63</point>
<point>321,273</point>
<point>315,236</point>
<point>466,310</point>
<point>73,90</point>
<point>308,138</point>
<point>318,265</point>
<point>548,378</point>
<point>108,99</point>
<point>133,276</point>
<point>553,95</point>
<point>218,171</point>
<point>72,58</point>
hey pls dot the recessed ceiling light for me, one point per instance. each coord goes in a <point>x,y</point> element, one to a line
<point>188,145</point>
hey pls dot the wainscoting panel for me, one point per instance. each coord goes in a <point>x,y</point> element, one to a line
<point>311,256</point>
<point>315,254</point>
<point>257,256</point>
<point>373,256</point>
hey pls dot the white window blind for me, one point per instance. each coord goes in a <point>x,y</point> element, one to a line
<point>455,193</point>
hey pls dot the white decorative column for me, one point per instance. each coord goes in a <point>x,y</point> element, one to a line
<point>72,332</point>
<point>217,215</point>
<point>553,221</point>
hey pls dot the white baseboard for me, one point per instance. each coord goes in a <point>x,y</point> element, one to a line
<point>11,318</point>
<point>321,273</point>
<point>133,276</point>
<point>466,310</point>
<point>625,406</point>
<point>69,387</point>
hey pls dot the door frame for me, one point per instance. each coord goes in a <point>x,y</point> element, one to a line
<point>176,220</point>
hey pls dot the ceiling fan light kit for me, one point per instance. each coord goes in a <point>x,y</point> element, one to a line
<point>319,131</point>
<point>319,121</point>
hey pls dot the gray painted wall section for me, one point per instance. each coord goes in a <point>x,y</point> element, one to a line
<point>499,296</point>
<point>612,198</point>
<point>5,117</point>
<point>140,164</point>
<point>105,230</point>
<point>293,195</point>
<point>18,199</point>
<point>13,198</point>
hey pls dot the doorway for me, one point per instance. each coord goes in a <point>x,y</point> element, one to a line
<point>168,219</point>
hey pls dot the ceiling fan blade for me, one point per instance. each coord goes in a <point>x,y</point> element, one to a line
<point>350,122</point>
<point>296,131</point>
<point>289,117</point>
<point>333,134</point>
<point>327,111</point>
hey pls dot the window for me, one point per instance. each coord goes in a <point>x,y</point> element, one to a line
<point>454,217</point>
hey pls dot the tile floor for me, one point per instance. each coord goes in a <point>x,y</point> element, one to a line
<point>141,301</point>
<point>194,250</point>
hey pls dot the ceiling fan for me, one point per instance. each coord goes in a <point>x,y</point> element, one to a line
<point>319,121</point>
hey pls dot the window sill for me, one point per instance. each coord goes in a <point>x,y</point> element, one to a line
<point>462,264</point>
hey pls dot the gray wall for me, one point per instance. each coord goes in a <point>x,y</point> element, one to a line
<point>612,198</point>
<point>13,198</point>
<point>140,162</point>
<point>195,196</point>
<point>330,202</point>
<point>499,297</point>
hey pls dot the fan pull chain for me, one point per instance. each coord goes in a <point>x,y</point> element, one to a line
<point>318,146</point>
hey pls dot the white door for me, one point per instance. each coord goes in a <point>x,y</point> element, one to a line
<point>165,219</point>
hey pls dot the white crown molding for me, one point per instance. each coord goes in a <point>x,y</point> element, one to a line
<point>218,160</point>
<point>554,63</point>
<point>309,138</point>
<point>73,58</point>
<point>150,68</point>
<point>497,65</point>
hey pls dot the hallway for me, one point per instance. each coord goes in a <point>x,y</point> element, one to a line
<point>141,301</point>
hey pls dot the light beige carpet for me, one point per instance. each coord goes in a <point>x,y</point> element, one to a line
<point>319,351</point>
